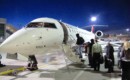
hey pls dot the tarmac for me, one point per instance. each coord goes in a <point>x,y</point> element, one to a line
<point>57,67</point>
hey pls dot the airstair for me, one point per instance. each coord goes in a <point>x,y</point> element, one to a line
<point>70,53</point>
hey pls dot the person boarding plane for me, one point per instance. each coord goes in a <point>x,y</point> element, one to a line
<point>44,35</point>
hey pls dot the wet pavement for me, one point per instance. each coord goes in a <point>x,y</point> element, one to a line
<point>58,67</point>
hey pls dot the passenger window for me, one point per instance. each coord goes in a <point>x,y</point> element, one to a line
<point>49,25</point>
<point>35,25</point>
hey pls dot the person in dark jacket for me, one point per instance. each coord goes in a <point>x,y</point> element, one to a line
<point>90,59</point>
<point>86,48</point>
<point>79,43</point>
<point>120,55</point>
<point>109,57</point>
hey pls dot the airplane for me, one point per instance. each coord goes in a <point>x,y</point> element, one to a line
<point>44,35</point>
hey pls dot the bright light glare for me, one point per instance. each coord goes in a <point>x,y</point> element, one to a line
<point>127,29</point>
<point>93,18</point>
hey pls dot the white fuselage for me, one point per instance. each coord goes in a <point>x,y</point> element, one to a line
<point>34,39</point>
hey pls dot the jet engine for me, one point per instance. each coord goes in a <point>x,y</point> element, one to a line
<point>99,34</point>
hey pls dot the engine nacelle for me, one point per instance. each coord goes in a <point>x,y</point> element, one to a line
<point>99,34</point>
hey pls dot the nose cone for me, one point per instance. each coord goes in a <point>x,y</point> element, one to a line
<point>5,45</point>
<point>9,45</point>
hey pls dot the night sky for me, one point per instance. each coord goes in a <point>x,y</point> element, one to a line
<point>115,13</point>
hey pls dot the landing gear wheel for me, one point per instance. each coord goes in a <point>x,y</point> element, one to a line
<point>32,65</point>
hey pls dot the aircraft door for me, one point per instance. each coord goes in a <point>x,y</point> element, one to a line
<point>65,33</point>
<point>69,48</point>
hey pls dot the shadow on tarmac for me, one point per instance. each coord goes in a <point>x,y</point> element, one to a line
<point>115,74</point>
<point>73,70</point>
<point>103,71</point>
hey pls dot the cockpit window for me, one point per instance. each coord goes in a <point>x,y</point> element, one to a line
<point>41,24</point>
<point>49,25</point>
<point>35,25</point>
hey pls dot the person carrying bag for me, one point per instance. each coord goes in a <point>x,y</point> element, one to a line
<point>97,52</point>
<point>125,61</point>
<point>109,58</point>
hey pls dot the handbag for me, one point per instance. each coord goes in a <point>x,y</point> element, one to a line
<point>101,59</point>
<point>110,63</point>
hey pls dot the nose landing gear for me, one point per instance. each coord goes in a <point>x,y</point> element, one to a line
<point>32,65</point>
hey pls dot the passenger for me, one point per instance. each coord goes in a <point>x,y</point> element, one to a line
<point>109,57</point>
<point>125,61</point>
<point>90,59</point>
<point>120,55</point>
<point>79,43</point>
<point>97,52</point>
<point>87,48</point>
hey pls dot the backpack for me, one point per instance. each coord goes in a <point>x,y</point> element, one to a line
<point>82,40</point>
